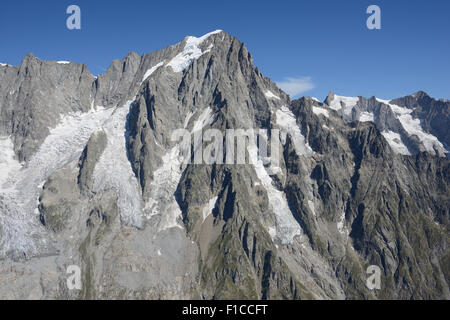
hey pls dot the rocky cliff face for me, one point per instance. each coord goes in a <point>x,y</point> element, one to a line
<point>90,176</point>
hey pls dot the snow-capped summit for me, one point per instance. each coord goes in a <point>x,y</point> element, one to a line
<point>190,52</point>
<point>407,130</point>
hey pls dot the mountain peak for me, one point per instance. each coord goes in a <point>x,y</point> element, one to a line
<point>132,54</point>
<point>420,94</point>
<point>29,57</point>
<point>330,97</point>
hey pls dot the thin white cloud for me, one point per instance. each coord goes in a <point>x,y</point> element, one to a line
<point>296,86</point>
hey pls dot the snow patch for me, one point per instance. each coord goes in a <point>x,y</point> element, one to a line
<point>345,104</point>
<point>166,178</point>
<point>318,111</point>
<point>188,117</point>
<point>395,141</point>
<point>383,101</point>
<point>287,123</point>
<point>9,166</point>
<point>366,117</point>
<point>272,232</point>
<point>269,94</point>
<point>63,62</point>
<point>205,118</point>
<point>190,52</point>
<point>341,224</point>
<point>286,227</point>
<point>64,144</point>
<point>149,72</point>
<point>413,127</point>
<point>162,191</point>
<point>21,184</point>
<point>208,208</point>
<point>113,170</point>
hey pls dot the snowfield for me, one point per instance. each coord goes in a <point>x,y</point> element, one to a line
<point>395,141</point>
<point>366,117</point>
<point>162,191</point>
<point>286,227</point>
<point>320,111</point>
<point>20,184</point>
<point>190,52</point>
<point>113,169</point>
<point>345,104</point>
<point>412,126</point>
<point>287,123</point>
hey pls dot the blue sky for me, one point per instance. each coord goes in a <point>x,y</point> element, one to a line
<point>321,45</point>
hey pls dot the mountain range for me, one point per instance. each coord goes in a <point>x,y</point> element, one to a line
<point>90,176</point>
